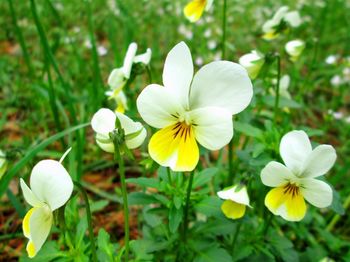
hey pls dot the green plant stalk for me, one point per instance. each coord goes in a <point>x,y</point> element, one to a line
<point>187,206</point>
<point>169,175</point>
<point>277,89</point>
<point>236,236</point>
<point>88,216</point>
<point>21,40</point>
<point>121,168</point>
<point>5,180</point>
<point>267,224</point>
<point>97,79</point>
<point>224,15</point>
<point>336,218</point>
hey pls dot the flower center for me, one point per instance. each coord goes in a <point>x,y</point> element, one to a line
<point>186,118</point>
<point>291,189</point>
<point>182,130</point>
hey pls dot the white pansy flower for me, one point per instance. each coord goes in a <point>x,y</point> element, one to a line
<point>294,48</point>
<point>188,109</point>
<point>103,122</point>
<point>271,27</point>
<point>120,99</point>
<point>50,188</point>
<point>3,163</point>
<point>253,62</point>
<point>119,76</point>
<point>194,9</point>
<point>284,85</point>
<point>236,200</point>
<point>297,179</point>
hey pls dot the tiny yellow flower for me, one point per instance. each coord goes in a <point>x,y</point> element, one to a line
<point>191,109</point>
<point>253,62</point>
<point>51,187</point>
<point>236,199</point>
<point>296,180</point>
<point>294,48</point>
<point>194,9</point>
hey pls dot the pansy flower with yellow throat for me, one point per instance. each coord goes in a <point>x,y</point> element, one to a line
<point>194,9</point>
<point>191,109</point>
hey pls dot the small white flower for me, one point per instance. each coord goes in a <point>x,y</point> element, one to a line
<point>212,44</point>
<point>199,61</point>
<point>331,59</point>
<point>253,62</point>
<point>235,202</point>
<point>294,48</point>
<point>207,33</point>
<point>103,123</point>
<point>101,50</point>
<point>296,180</point>
<point>50,188</point>
<point>284,85</point>
<point>336,80</point>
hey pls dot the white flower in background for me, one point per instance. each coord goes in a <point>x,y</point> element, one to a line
<point>207,33</point>
<point>284,85</point>
<point>119,76</point>
<point>336,115</point>
<point>101,50</point>
<point>294,48</point>
<point>336,80</point>
<point>188,109</point>
<point>50,188</point>
<point>199,61</point>
<point>273,27</point>
<point>331,59</point>
<point>236,200</point>
<point>212,44</point>
<point>194,9</point>
<point>187,33</point>
<point>120,100</point>
<point>296,180</point>
<point>103,122</point>
<point>253,62</point>
<point>3,163</point>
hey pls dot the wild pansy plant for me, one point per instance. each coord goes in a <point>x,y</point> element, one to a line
<point>191,109</point>
<point>280,22</point>
<point>296,180</point>
<point>236,200</point>
<point>120,76</point>
<point>253,62</point>
<point>194,9</point>
<point>116,133</point>
<point>294,49</point>
<point>50,188</point>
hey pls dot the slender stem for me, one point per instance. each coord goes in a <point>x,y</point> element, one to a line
<point>277,88</point>
<point>88,216</point>
<point>189,189</point>
<point>224,29</point>
<point>230,161</point>
<point>149,73</point>
<point>119,158</point>
<point>236,236</point>
<point>335,219</point>
<point>169,175</point>
<point>267,224</point>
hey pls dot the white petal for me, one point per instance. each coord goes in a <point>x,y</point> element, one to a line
<point>158,106</point>
<point>144,58</point>
<point>320,161</point>
<point>316,192</point>
<point>221,84</point>
<point>29,196</point>
<point>213,127</point>
<point>280,13</point>
<point>129,59</point>
<point>209,4</point>
<point>178,72</point>
<point>51,183</point>
<point>103,121</point>
<point>116,79</point>
<point>294,149</point>
<point>275,174</point>
<point>40,226</point>
<point>293,18</point>
<point>240,196</point>
<point>130,127</point>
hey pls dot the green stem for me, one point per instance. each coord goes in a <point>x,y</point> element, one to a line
<point>267,224</point>
<point>119,158</point>
<point>236,236</point>
<point>88,216</point>
<point>21,39</point>
<point>149,73</point>
<point>189,189</point>
<point>277,88</point>
<point>224,29</point>
<point>169,175</point>
<point>337,216</point>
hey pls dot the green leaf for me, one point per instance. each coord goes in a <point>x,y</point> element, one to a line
<point>175,218</point>
<point>204,176</point>
<point>209,206</point>
<point>31,153</point>
<point>105,247</point>
<point>337,205</point>
<point>96,206</point>
<point>139,198</point>
<point>177,202</point>
<point>248,129</point>
<point>144,181</point>
<point>213,254</point>
<point>50,251</point>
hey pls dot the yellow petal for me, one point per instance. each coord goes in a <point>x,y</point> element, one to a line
<point>232,209</point>
<point>25,223</point>
<point>286,201</point>
<point>194,9</point>
<point>175,146</point>
<point>31,249</point>
<point>270,35</point>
